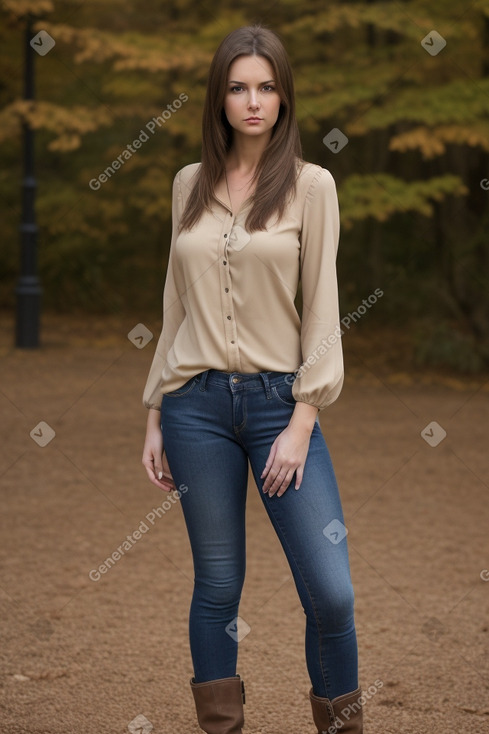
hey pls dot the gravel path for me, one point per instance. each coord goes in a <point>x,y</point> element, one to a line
<point>90,652</point>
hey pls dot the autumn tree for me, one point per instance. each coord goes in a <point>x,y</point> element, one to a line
<point>392,97</point>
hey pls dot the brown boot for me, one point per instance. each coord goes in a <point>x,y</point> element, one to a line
<point>341,715</point>
<point>219,705</point>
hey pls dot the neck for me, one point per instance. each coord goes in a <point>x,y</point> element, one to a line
<point>246,151</point>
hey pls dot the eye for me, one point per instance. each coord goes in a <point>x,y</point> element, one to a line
<point>265,86</point>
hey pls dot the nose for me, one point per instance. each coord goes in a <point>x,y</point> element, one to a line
<point>253,102</point>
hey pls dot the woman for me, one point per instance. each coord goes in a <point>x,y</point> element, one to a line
<point>243,377</point>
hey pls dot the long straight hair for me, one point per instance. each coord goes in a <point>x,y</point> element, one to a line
<point>277,171</point>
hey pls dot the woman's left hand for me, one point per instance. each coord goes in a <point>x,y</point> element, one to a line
<point>287,455</point>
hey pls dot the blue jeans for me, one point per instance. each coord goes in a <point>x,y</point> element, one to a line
<point>211,426</point>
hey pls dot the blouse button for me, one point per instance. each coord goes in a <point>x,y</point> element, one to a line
<point>225,235</point>
<point>232,341</point>
<point>226,290</point>
<point>229,318</point>
<point>224,262</point>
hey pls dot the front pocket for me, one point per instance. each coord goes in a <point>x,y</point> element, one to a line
<point>183,389</point>
<point>283,391</point>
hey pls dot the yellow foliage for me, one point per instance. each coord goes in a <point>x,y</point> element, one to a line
<point>97,46</point>
<point>21,8</point>
<point>433,141</point>
<point>68,123</point>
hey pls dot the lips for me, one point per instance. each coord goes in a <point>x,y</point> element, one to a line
<point>252,118</point>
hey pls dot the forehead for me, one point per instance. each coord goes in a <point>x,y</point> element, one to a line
<point>252,68</point>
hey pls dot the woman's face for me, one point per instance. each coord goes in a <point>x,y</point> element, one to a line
<point>251,92</point>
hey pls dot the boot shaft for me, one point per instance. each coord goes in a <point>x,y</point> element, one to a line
<point>219,705</point>
<point>341,715</point>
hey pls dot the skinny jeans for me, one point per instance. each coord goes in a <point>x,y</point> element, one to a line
<point>211,426</point>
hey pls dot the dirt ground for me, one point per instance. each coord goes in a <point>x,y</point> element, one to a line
<point>96,655</point>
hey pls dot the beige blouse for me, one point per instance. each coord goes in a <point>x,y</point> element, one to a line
<point>228,301</point>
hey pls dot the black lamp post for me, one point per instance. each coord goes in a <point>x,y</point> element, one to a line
<point>28,289</point>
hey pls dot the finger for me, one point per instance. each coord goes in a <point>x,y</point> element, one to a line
<point>161,484</point>
<point>165,476</point>
<point>166,466</point>
<point>153,479</point>
<point>276,486</point>
<point>280,479</point>
<point>168,479</point>
<point>154,476</point>
<point>285,484</point>
<point>149,466</point>
<point>268,481</point>
<point>271,478</point>
<point>168,485</point>
<point>151,463</point>
<point>265,471</point>
<point>298,477</point>
<point>269,463</point>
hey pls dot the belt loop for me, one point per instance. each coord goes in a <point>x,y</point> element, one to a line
<point>266,382</point>
<point>203,379</point>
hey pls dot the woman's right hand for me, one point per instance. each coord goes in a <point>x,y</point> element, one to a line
<point>154,457</point>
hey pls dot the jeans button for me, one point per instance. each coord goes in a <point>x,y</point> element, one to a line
<point>235,379</point>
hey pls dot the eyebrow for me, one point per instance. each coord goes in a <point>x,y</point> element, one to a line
<point>233,81</point>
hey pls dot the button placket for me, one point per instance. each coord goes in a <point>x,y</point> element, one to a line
<point>227,296</point>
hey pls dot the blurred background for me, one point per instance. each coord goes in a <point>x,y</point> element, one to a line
<point>412,178</point>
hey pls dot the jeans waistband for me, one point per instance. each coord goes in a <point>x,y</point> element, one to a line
<point>238,381</point>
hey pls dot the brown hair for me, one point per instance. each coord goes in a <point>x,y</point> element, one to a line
<point>276,171</point>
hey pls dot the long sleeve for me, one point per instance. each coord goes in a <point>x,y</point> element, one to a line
<point>320,378</point>
<point>173,310</point>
